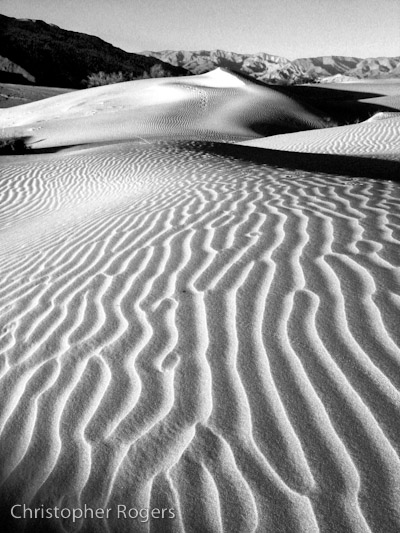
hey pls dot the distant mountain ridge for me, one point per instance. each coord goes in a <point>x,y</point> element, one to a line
<point>48,55</point>
<point>33,51</point>
<point>275,69</point>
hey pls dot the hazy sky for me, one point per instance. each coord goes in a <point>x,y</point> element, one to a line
<point>289,28</point>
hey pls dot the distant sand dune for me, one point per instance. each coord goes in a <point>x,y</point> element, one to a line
<point>389,102</point>
<point>378,87</point>
<point>374,138</point>
<point>184,330</point>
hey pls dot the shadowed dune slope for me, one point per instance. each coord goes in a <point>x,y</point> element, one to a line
<point>189,331</point>
<point>349,103</point>
<point>215,106</point>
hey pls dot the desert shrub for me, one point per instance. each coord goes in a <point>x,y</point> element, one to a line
<point>158,71</point>
<point>104,78</point>
<point>13,145</point>
<point>107,78</point>
<point>155,71</point>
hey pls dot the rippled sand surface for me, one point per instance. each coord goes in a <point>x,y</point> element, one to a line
<point>185,326</point>
<point>184,330</point>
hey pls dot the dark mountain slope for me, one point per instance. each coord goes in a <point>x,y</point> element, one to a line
<point>62,58</point>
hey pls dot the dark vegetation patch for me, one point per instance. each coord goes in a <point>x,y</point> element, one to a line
<point>14,145</point>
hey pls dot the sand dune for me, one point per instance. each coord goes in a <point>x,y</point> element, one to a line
<point>218,105</point>
<point>378,87</point>
<point>187,331</point>
<point>377,137</point>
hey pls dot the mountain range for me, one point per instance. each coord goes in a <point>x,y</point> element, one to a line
<point>35,52</point>
<point>275,69</point>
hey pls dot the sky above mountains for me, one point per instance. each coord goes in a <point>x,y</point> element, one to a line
<point>289,28</point>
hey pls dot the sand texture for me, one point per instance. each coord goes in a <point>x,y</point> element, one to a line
<point>189,328</point>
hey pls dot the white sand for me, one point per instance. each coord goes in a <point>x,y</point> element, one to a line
<point>184,330</point>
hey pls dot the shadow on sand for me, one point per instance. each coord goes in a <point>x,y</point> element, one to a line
<point>341,165</point>
<point>344,107</point>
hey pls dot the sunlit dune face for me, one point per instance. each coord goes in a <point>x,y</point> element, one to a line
<point>214,106</point>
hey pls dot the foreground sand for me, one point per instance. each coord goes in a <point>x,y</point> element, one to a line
<point>185,330</point>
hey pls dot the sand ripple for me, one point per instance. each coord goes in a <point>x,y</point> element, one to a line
<point>188,331</point>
